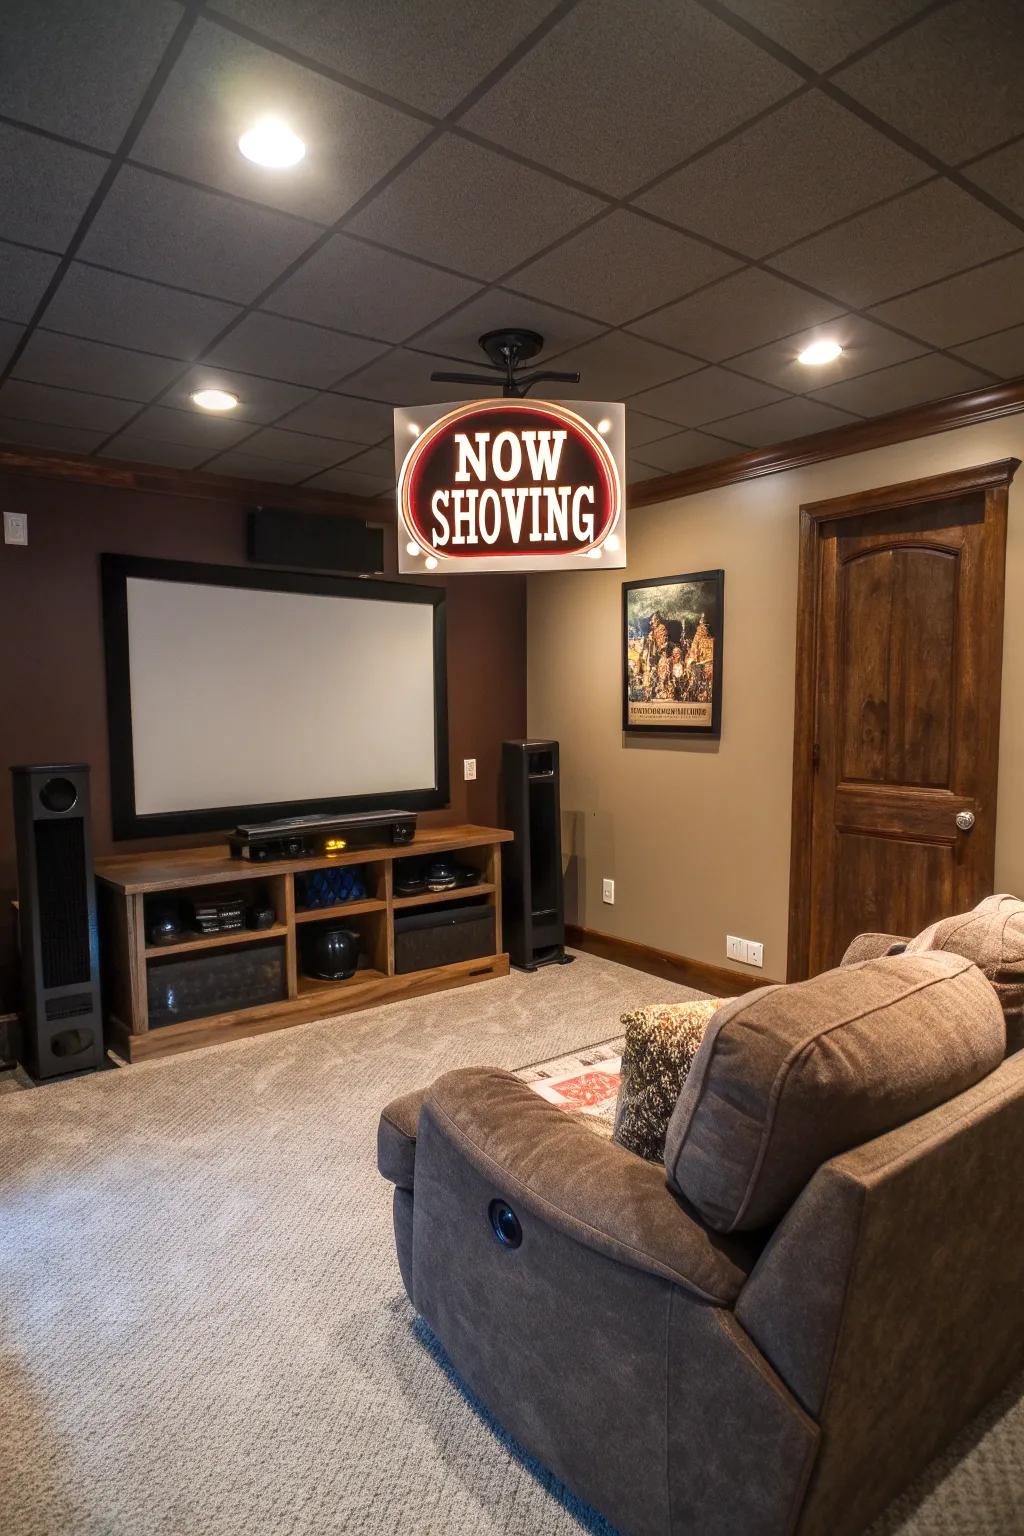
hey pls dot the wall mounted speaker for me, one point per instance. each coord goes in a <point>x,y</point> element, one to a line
<point>314,541</point>
<point>62,1028</point>
<point>533,912</point>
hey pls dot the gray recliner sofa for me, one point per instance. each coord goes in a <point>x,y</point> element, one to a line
<point>777,1329</point>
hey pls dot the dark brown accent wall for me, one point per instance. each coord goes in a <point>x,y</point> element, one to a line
<point>52,683</point>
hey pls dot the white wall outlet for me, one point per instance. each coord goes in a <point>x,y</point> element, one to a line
<point>746,951</point>
<point>469,767</point>
<point>608,892</point>
<point>15,527</point>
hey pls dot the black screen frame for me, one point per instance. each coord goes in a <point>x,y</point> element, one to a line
<point>115,571</point>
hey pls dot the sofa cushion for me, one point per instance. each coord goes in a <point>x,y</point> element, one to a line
<point>661,1042</point>
<point>992,935</point>
<point>789,1076</point>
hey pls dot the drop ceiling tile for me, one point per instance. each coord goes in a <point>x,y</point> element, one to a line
<point>82,70</point>
<point>470,209</point>
<point>91,366</point>
<point>299,447</point>
<point>48,434</point>
<point>350,482</point>
<point>805,165</point>
<point>153,227</point>
<point>823,32</point>
<point>615,93</point>
<point>189,428</point>
<point>138,448</point>
<point>683,450</point>
<point>741,312</point>
<point>249,466</point>
<point>126,311</point>
<point>45,187</point>
<point>705,396</point>
<point>893,389</point>
<point>222,84</point>
<point>866,346</point>
<point>457,335</point>
<point>10,335</point>
<point>374,461</point>
<point>292,350</point>
<point>259,400</point>
<point>434,55</point>
<point>1002,174</point>
<point>952,82</point>
<point>783,421</point>
<point>342,417</point>
<point>402,377</point>
<point>1003,353</point>
<point>989,298</point>
<point>361,288</point>
<point>926,234</point>
<point>641,429</point>
<point>63,407</point>
<point>23,279</point>
<point>636,471</point>
<point>615,365</point>
<point>622,266</point>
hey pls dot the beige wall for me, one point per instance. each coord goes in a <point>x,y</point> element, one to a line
<point>696,834</point>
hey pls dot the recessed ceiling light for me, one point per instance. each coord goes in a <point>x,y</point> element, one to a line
<point>272,143</point>
<point>819,352</point>
<point>215,399</point>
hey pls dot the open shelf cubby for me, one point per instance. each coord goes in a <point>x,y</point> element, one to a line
<point>134,968</point>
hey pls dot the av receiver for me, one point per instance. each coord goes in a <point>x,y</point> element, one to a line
<point>300,837</point>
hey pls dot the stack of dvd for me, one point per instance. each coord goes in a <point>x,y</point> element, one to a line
<point>218,914</point>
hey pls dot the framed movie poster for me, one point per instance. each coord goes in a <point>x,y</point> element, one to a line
<point>672,654</point>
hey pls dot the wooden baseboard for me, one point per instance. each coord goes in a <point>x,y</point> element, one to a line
<point>661,962</point>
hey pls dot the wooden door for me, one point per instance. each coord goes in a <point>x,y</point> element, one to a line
<point>898,695</point>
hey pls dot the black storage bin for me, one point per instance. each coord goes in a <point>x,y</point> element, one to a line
<point>198,986</point>
<point>442,935</point>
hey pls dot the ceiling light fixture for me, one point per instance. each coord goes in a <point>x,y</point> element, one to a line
<point>214,399</point>
<point>819,352</point>
<point>271,143</point>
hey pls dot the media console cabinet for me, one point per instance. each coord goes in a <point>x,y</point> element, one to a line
<point>124,883</point>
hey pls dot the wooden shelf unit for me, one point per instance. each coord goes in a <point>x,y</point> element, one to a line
<point>124,882</point>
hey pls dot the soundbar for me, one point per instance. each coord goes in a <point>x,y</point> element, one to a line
<point>310,837</point>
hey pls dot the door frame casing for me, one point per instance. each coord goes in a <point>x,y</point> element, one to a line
<point>993,481</point>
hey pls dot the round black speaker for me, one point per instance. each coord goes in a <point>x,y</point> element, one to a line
<point>331,954</point>
<point>58,795</point>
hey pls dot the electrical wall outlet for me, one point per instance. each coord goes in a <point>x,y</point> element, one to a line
<point>15,527</point>
<point>746,951</point>
<point>469,767</point>
<point>608,892</point>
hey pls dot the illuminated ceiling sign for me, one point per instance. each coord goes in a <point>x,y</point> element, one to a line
<point>511,484</point>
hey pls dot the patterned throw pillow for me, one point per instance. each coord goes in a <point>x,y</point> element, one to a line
<point>661,1042</point>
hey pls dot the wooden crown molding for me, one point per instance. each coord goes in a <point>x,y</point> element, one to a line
<point>118,474</point>
<point>857,437</point>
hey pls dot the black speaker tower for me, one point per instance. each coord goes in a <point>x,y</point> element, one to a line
<point>62,1021</point>
<point>533,913</point>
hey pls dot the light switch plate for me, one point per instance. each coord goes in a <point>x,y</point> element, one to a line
<point>608,892</point>
<point>469,767</point>
<point>735,949</point>
<point>755,953</point>
<point>15,527</point>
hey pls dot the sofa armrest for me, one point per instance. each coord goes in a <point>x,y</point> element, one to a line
<point>548,1165</point>
<point>396,1138</point>
<point>873,946</point>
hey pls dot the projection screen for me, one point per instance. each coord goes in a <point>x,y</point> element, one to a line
<point>252,692</point>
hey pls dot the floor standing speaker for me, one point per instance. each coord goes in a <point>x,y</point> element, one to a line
<point>533,914</point>
<point>62,1028</point>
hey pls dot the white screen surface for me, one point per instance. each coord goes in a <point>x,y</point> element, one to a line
<point>247,697</point>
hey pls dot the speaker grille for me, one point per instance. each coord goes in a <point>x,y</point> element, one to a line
<point>68,1007</point>
<point>63,901</point>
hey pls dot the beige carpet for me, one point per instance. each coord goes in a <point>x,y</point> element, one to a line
<point>202,1327</point>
